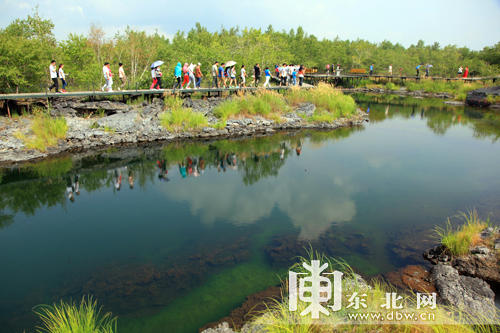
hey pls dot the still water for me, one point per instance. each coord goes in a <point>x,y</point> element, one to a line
<point>172,237</point>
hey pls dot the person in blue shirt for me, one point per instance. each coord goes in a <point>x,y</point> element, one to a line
<point>371,69</point>
<point>220,74</point>
<point>418,70</point>
<point>267,72</point>
<point>178,74</point>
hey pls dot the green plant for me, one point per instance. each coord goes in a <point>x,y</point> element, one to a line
<point>172,102</point>
<point>182,119</point>
<point>85,317</point>
<point>459,240</point>
<point>46,131</point>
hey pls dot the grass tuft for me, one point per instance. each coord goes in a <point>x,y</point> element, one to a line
<point>46,132</point>
<point>180,119</point>
<point>461,239</point>
<point>85,317</point>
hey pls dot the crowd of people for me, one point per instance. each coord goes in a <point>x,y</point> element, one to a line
<point>224,75</point>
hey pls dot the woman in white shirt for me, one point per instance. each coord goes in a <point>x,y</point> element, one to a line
<point>62,76</point>
<point>53,76</point>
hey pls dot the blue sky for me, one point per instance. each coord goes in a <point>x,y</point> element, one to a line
<point>474,24</point>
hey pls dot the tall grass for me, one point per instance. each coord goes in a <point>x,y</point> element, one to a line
<point>457,88</point>
<point>330,103</point>
<point>85,317</point>
<point>459,240</point>
<point>46,131</point>
<point>182,119</point>
<point>268,104</point>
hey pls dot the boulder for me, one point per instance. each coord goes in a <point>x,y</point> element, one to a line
<point>479,97</point>
<point>306,109</point>
<point>470,294</point>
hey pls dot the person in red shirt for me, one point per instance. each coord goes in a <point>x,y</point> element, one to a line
<point>466,73</point>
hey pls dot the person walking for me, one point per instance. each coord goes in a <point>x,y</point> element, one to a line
<point>158,75</point>
<point>243,76</point>
<point>178,75</point>
<point>294,76</point>
<point>106,72</point>
<point>267,72</point>
<point>121,76</point>
<point>256,71</point>
<point>460,71</point>
<point>192,79</point>
<point>390,70</point>
<point>301,75</point>
<point>62,76</point>
<point>198,74</point>
<point>371,69</point>
<point>215,83</point>
<point>232,81</point>
<point>153,78</point>
<point>53,76</point>
<point>185,74</point>
<point>418,70</point>
<point>220,76</point>
<point>466,73</point>
<point>338,70</point>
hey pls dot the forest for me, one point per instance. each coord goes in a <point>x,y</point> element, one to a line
<point>28,45</point>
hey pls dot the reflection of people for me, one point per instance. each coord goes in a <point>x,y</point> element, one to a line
<point>298,149</point>
<point>131,179</point>
<point>201,165</point>
<point>282,151</point>
<point>163,172</point>
<point>387,110</point>
<point>182,169</point>
<point>76,185</point>
<point>69,189</point>
<point>118,180</point>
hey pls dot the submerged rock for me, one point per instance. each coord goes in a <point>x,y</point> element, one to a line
<point>413,277</point>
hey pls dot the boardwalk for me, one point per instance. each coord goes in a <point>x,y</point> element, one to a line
<point>327,77</point>
<point>138,92</point>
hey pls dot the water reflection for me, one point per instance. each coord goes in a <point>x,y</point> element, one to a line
<point>439,116</point>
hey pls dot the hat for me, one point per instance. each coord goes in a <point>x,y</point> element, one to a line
<point>199,64</point>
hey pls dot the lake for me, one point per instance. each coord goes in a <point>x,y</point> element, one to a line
<point>171,237</point>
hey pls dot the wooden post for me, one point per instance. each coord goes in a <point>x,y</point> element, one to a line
<point>8,110</point>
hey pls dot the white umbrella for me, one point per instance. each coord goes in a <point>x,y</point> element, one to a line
<point>230,63</point>
<point>156,64</point>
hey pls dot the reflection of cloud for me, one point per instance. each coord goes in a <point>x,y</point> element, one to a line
<point>312,203</point>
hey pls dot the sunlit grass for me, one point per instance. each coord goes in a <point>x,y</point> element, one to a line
<point>85,317</point>
<point>180,119</point>
<point>46,131</point>
<point>459,240</point>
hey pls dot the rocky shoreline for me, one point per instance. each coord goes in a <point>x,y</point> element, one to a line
<point>93,124</point>
<point>468,283</point>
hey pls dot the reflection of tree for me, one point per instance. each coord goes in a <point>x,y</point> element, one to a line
<point>258,167</point>
<point>439,117</point>
<point>44,184</point>
<point>439,122</point>
<point>6,220</point>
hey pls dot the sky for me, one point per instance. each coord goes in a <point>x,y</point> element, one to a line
<point>474,24</point>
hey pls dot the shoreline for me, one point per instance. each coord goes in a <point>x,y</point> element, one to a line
<point>137,124</point>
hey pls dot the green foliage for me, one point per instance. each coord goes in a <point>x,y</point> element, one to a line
<point>460,240</point>
<point>46,131</point>
<point>391,86</point>
<point>85,317</point>
<point>180,119</point>
<point>172,102</point>
<point>27,46</point>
